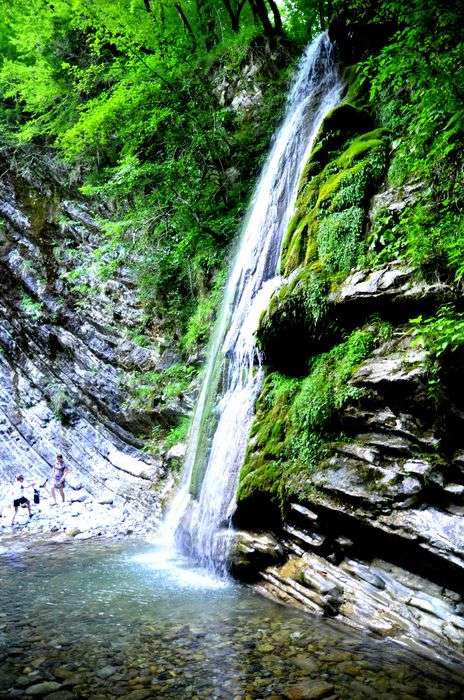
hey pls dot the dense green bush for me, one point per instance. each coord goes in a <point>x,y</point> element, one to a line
<point>416,91</point>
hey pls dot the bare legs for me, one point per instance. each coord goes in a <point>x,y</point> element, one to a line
<point>28,505</point>
<point>60,490</point>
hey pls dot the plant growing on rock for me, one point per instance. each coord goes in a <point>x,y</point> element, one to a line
<point>296,419</point>
<point>31,307</point>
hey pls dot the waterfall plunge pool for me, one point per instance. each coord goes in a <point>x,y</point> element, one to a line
<point>120,619</point>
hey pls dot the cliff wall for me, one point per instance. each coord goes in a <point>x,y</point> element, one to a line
<point>350,501</point>
<point>67,357</point>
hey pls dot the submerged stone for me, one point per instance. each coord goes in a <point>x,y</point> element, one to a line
<point>309,690</point>
<point>44,688</point>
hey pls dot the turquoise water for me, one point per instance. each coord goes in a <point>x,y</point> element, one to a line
<point>104,620</point>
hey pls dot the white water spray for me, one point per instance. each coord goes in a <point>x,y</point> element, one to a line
<point>206,500</point>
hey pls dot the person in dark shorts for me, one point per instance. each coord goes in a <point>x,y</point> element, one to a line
<point>59,482</point>
<point>19,498</point>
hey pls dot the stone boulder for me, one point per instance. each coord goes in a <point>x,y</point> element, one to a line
<point>249,552</point>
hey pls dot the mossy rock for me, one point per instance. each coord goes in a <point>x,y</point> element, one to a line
<point>296,323</point>
<point>297,423</point>
<point>345,168</point>
<point>332,206</point>
<point>341,123</point>
<point>263,470</point>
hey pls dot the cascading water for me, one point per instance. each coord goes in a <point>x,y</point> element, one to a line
<point>203,507</point>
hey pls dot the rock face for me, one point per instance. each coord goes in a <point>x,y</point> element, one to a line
<point>66,357</point>
<point>390,286</point>
<point>379,542</point>
<point>251,551</point>
<point>354,461</point>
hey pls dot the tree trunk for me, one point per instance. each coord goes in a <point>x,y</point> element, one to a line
<point>260,9</point>
<point>186,23</point>
<point>208,22</point>
<point>278,29</point>
<point>234,14</point>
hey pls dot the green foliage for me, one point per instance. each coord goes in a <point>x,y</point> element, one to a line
<point>61,403</point>
<point>326,388</point>
<point>162,439</point>
<point>416,91</point>
<point>339,239</point>
<point>31,307</point>
<point>296,419</point>
<point>441,333</point>
<point>200,323</point>
<point>156,386</point>
<point>179,433</point>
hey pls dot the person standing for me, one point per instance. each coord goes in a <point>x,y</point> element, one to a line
<point>19,498</point>
<point>59,482</point>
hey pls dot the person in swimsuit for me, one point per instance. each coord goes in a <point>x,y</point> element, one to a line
<point>59,471</point>
<point>19,498</point>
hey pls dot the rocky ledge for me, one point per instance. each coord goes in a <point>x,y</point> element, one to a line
<point>377,541</point>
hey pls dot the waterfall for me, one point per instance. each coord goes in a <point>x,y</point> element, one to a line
<point>202,510</point>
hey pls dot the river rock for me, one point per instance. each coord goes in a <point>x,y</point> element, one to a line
<point>249,552</point>
<point>106,671</point>
<point>309,690</point>
<point>138,694</point>
<point>44,688</point>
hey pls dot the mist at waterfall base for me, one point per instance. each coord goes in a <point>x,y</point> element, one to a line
<point>201,512</point>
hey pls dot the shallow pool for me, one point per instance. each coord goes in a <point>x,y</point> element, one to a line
<point>104,620</point>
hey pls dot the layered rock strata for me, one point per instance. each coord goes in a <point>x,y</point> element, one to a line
<point>378,542</point>
<point>66,356</point>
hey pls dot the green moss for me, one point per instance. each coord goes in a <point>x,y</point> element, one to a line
<point>361,145</point>
<point>331,212</point>
<point>263,468</point>
<point>339,240</point>
<point>297,318</point>
<point>295,423</point>
<point>357,93</point>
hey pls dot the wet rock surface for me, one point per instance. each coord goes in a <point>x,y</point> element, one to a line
<point>123,629</point>
<point>377,539</point>
<point>248,552</point>
<point>393,286</point>
<point>380,544</point>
